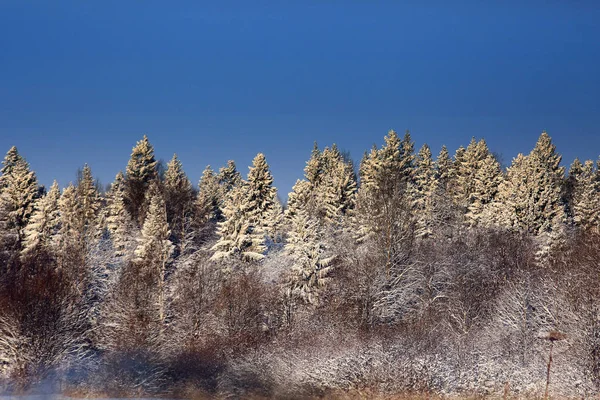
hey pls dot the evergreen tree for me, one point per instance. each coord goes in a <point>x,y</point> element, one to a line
<point>229,177</point>
<point>532,189</point>
<point>310,267</point>
<point>179,196</point>
<point>18,193</point>
<point>586,198</point>
<point>300,199</point>
<point>155,247</point>
<point>383,207</point>
<point>337,186</point>
<point>44,223</point>
<point>424,190</point>
<point>118,220</point>
<point>246,213</point>
<point>487,180</point>
<point>88,205</point>
<point>209,198</point>
<point>444,168</point>
<point>141,171</point>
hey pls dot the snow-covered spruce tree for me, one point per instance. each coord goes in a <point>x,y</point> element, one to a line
<point>141,171</point>
<point>586,197</point>
<point>43,224</point>
<point>229,177</point>
<point>274,222</point>
<point>423,191</point>
<point>89,204</point>
<point>155,247</point>
<point>310,266</point>
<point>487,179</point>
<point>533,188</point>
<point>337,187</point>
<point>444,168</point>
<point>383,207</point>
<point>18,193</point>
<point>328,190</point>
<point>118,221</point>
<point>300,198</point>
<point>246,209</point>
<point>209,198</point>
<point>179,197</point>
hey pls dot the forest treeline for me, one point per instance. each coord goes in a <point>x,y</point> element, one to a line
<point>405,273</point>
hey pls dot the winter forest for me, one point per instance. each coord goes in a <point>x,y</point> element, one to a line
<point>406,273</point>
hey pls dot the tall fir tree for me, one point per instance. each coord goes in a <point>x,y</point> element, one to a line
<point>18,193</point>
<point>586,198</point>
<point>141,171</point>
<point>246,212</point>
<point>229,177</point>
<point>310,266</point>
<point>209,198</point>
<point>155,247</point>
<point>179,196</point>
<point>118,221</point>
<point>44,223</point>
<point>423,191</point>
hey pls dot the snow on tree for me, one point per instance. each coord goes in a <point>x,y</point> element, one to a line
<point>209,198</point>
<point>89,204</point>
<point>328,190</point>
<point>246,210</point>
<point>444,168</point>
<point>531,195</point>
<point>487,179</point>
<point>336,189</point>
<point>423,191</point>
<point>310,267</point>
<point>586,197</point>
<point>383,207</point>
<point>44,223</point>
<point>18,193</point>
<point>300,198</point>
<point>140,172</point>
<point>179,196</point>
<point>155,248</point>
<point>118,220</point>
<point>229,177</point>
<point>274,222</point>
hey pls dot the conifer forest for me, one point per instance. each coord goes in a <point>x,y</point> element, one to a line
<point>409,273</point>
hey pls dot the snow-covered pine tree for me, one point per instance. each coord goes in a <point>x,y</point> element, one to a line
<point>229,177</point>
<point>18,193</point>
<point>300,198</point>
<point>89,204</point>
<point>118,221</point>
<point>310,267</point>
<point>179,196</point>
<point>444,168</point>
<point>487,179</point>
<point>140,172</point>
<point>423,191</point>
<point>586,198</point>
<point>155,247</point>
<point>575,171</point>
<point>532,191</point>
<point>274,222</point>
<point>209,198</point>
<point>43,224</point>
<point>383,208</point>
<point>242,233</point>
<point>335,192</point>
<point>313,171</point>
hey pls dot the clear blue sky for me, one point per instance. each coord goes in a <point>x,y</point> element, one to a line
<point>82,81</point>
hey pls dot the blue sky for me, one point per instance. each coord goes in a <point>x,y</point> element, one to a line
<point>83,81</point>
